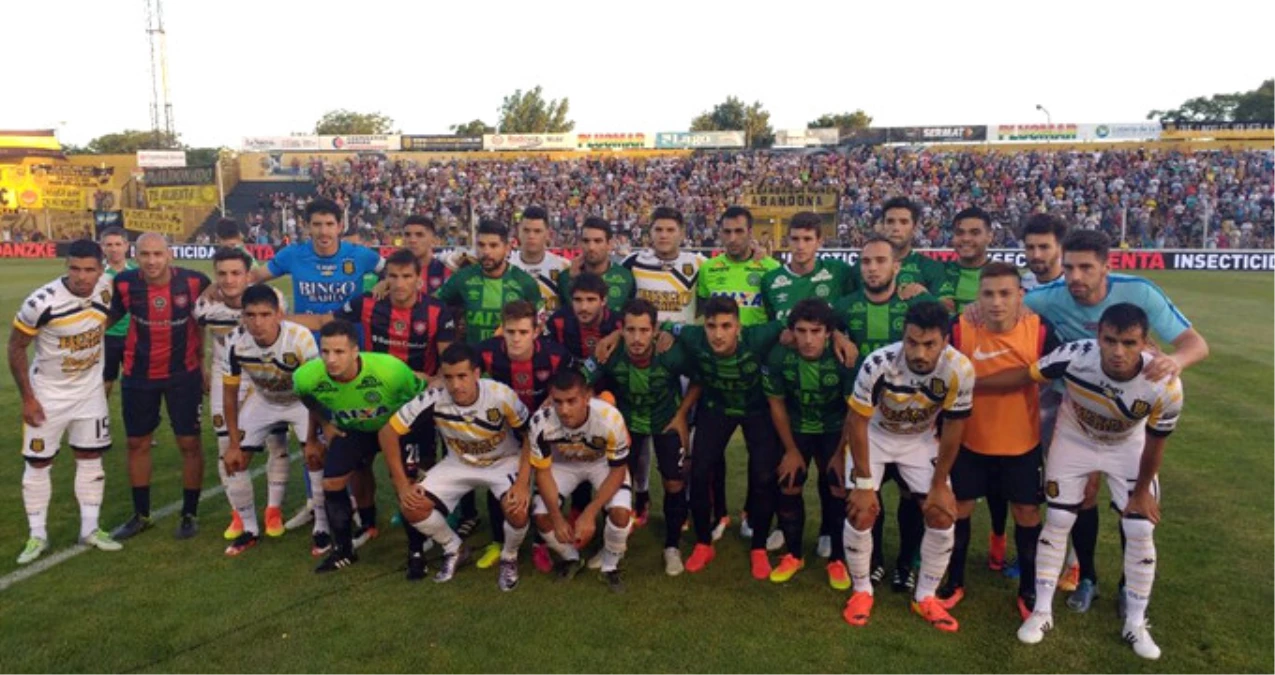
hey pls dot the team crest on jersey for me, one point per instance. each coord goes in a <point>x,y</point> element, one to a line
<point>830,380</point>
<point>419,327</point>
<point>598,442</point>
<point>521,379</point>
<point>754,279</point>
<point>372,397</point>
<point>219,421</point>
<point>1140,408</point>
<point>1051,489</point>
<point>553,275</point>
<point>290,360</point>
<point>493,415</point>
<point>347,267</point>
<point>821,291</point>
<point>181,300</point>
<point>399,326</point>
<point>938,387</point>
<point>159,302</point>
<point>37,445</point>
<point>542,375</point>
<point>106,297</point>
<point>749,367</point>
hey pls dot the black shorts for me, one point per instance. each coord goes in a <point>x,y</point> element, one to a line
<point>819,447</point>
<point>181,395</point>
<point>114,357</point>
<point>1017,477</point>
<point>670,456</point>
<point>355,450</point>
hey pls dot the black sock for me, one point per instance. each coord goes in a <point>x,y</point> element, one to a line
<point>641,502</point>
<point>792,521</point>
<point>190,502</point>
<point>368,516</point>
<point>675,511</point>
<point>826,524</point>
<point>1084,537</point>
<point>340,517</point>
<point>998,508</point>
<point>1025,543</point>
<point>956,567</point>
<point>878,535</point>
<point>142,501</point>
<point>496,519</point>
<point>415,540</point>
<point>911,529</point>
<point>834,520</point>
<point>468,507</point>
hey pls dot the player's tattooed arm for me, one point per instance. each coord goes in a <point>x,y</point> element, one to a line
<point>32,411</point>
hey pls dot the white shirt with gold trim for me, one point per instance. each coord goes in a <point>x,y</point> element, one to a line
<point>270,367</point>
<point>478,434</point>
<point>905,406</point>
<point>602,437</point>
<point>68,332</point>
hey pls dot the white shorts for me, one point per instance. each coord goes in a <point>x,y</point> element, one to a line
<point>216,393</point>
<point>913,457</point>
<point>1071,461</point>
<point>451,479</point>
<point>569,475</point>
<point>259,418</point>
<point>85,421</point>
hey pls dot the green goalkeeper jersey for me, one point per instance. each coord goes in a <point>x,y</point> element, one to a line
<point>383,385</point>
<point>725,277</point>
<point>782,289</point>
<point>814,392</point>
<point>732,384</point>
<point>647,395</point>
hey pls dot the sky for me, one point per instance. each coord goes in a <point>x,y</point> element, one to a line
<point>272,67</point>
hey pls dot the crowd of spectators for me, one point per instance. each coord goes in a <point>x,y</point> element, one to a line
<point>1157,198</point>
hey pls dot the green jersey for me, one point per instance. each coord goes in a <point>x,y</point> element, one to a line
<point>383,385</point>
<point>620,287</point>
<point>732,384</point>
<point>871,325</point>
<point>482,297</point>
<point>782,289</point>
<point>648,395</point>
<point>120,329</point>
<point>964,283</point>
<point>726,277</point>
<point>814,392</point>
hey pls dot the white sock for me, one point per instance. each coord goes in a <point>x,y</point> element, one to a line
<point>222,474</point>
<point>858,545</point>
<point>615,541</point>
<point>37,490</point>
<point>318,501</point>
<point>435,527</point>
<point>276,469</point>
<point>1051,548</point>
<point>1139,568</point>
<point>936,552</point>
<point>564,551</point>
<point>90,485</point>
<point>239,490</point>
<point>513,541</point>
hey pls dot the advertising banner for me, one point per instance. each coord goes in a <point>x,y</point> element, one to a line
<point>699,139</point>
<point>190,195</point>
<point>1129,131</point>
<point>1034,132</point>
<point>377,142</point>
<point>150,220</point>
<point>630,141</point>
<point>196,175</point>
<point>268,143</point>
<point>161,158</point>
<point>71,175</point>
<point>29,250</point>
<point>1135,259</point>
<point>772,211</point>
<point>953,134</point>
<point>439,143</point>
<point>805,138</point>
<point>529,141</point>
<point>1219,130</point>
<point>59,198</point>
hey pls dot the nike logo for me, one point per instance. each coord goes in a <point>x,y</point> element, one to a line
<point>980,355</point>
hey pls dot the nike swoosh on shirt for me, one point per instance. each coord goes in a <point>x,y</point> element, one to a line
<point>981,355</point>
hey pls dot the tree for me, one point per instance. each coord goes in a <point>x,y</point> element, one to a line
<point>128,142</point>
<point>475,127</point>
<point>202,156</point>
<point>345,122</point>
<point>844,122</point>
<point>528,113</point>
<point>1244,106</point>
<point>733,115</point>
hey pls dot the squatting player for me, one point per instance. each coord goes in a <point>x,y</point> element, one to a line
<point>63,393</point>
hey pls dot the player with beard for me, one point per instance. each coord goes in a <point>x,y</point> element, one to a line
<point>1042,243</point>
<point>596,247</point>
<point>917,273</point>
<point>480,291</point>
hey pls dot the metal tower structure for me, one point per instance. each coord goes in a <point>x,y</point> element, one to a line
<point>161,122</point>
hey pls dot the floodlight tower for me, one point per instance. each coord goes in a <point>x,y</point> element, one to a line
<point>161,107</point>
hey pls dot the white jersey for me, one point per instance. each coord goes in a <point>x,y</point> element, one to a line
<point>603,436</point>
<point>221,320</point>
<point>1100,411</point>
<point>667,284</point>
<point>478,434</point>
<point>270,367</point>
<point>905,405</point>
<point>68,332</point>
<point>546,273</point>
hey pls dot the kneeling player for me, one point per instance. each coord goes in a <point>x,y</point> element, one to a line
<point>1116,421</point>
<point>63,392</point>
<point>899,395</point>
<point>269,350</point>
<point>480,421</point>
<point>580,440</point>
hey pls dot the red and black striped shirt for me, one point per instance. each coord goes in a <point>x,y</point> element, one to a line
<point>410,334</point>
<point>529,379</point>
<point>434,276</point>
<point>164,339</point>
<point>579,339</point>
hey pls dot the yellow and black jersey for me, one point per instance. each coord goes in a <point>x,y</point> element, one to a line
<point>906,404</point>
<point>603,436</point>
<point>478,434</point>
<point>667,284</point>
<point>269,367</point>
<point>68,332</point>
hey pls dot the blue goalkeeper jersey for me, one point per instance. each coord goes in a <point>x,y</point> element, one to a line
<point>1075,321</point>
<point>322,284</point>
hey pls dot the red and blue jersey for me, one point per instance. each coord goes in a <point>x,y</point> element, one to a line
<point>411,333</point>
<point>164,340</point>
<point>530,378</point>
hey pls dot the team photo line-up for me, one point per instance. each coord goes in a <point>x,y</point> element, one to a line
<point>554,387</point>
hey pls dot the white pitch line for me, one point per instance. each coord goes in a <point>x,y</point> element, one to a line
<point>47,562</point>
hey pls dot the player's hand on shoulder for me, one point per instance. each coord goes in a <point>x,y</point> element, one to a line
<point>663,342</point>
<point>846,350</point>
<point>381,290</point>
<point>605,347</point>
<point>1162,366</point>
